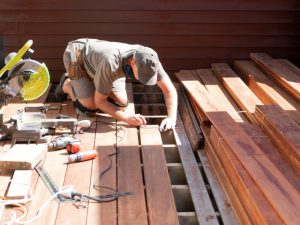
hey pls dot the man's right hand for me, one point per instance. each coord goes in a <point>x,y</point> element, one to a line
<point>136,120</point>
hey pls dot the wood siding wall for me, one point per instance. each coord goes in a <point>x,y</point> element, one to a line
<point>187,34</point>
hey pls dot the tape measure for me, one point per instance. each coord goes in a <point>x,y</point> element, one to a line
<point>52,187</point>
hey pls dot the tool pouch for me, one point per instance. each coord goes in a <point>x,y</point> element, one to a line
<point>76,69</point>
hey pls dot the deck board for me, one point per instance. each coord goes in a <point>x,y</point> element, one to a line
<point>140,168</point>
<point>104,144</point>
<point>160,200</point>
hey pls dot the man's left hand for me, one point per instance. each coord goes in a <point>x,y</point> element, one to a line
<point>167,124</point>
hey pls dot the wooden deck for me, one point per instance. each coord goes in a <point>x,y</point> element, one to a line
<point>169,183</point>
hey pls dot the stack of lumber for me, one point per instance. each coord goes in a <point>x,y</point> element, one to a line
<point>280,72</point>
<point>255,157</point>
<point>267,90</point>
<point>283,130</point>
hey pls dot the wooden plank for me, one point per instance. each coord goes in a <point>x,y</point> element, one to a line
<point>23,156</point>
<point>224,181</point>
<point>78,175</point>
<point>158,16</point>
<point>239,91</point>
<point>287,79</point>
<point>222,201</point>
<point>137,5</point>
<point>287,65</point>
<point>216,90</point>
<point>266,89</point>
<point>104,144</point>
<point>189,120</point>
<point>107,28</point>
<point>50,114</point>
<point>202,204</point>
<point>160,200</point>
<point>258,135</point>
<point>216,41</point>
<point>198,92</point>
<point>55,165</point>
<point>19,185</point>
<point>284,199</point>
<point>254,201</point>
<point>131,209</point>
<point>283,130</point>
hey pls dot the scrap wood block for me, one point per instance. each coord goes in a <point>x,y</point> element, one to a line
<point>283,130</point>
<point>239,91</point>
<point>287,78</point>
<point>23,156</point>
<point>266,89</point>
<point>254,201</point>
<point>19,185</point>
<point>283,197</point>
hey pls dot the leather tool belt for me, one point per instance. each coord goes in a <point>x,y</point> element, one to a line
<point>76,69</point>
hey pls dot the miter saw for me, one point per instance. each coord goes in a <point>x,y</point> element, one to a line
<point>23,77</point>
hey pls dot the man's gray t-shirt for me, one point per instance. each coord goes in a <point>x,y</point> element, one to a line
<point>103,61</point>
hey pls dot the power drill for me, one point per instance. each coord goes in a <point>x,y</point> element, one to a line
<point>62,141</point>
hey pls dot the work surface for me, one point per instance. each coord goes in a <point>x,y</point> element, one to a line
<point>158,168</point>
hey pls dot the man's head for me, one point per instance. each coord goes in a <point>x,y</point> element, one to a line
<point>146,62</point>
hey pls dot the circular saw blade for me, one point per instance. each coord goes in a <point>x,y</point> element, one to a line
<point>34,79</point>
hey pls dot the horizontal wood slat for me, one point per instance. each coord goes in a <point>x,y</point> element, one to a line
<point>135,28</point>
<point>279,5</point>
<point>147,16</point>
<point>212,41</point>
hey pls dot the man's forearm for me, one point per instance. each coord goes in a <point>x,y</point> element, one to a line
<point>171,103</point>
<point>112,110</point>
